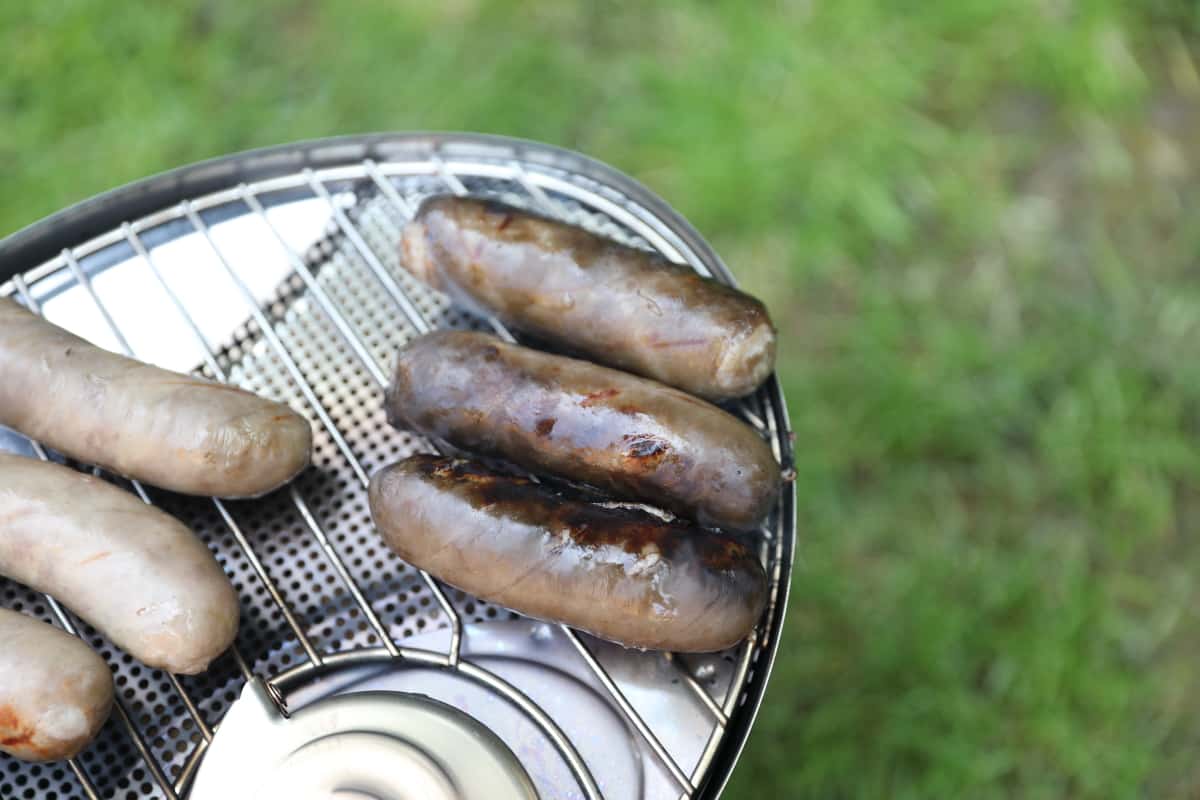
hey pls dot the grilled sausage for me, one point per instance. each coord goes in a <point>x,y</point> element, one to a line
<point>619,573</point>
<point>132,571</point>
<point>175,431</point>
<point>624,434</point>
<point>55,692</point>
<point>614,304</point>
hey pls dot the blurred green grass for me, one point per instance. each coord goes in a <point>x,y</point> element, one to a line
<point>975,222</point>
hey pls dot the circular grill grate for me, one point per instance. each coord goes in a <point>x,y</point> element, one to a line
<point>349,392</point>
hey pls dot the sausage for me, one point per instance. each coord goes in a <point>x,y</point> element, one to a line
<point>618,573</point>
<point>624,434</point>
<point>135,573</point>
<point>614,304</point>
<point>176,431</point>
<point>55,692</point>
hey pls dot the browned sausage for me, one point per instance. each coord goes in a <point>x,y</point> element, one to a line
<point>133,571</point>
<point>619,573</point>
<point>615,304</point>
<point>625,434</point>
<point>55,692</point>
<point>175,431</point>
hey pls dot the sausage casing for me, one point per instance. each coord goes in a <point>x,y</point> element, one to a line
<point>176,431</point>
<point>55,692</point>
<point>134,572</point>
<point>612,303</point>
<point>621,574</point>
<point>630,436</point>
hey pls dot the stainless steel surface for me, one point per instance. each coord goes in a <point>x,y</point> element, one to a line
<point>385,745</point>
<point>288,284</point>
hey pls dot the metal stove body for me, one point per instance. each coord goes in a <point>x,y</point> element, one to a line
<point>278,270</point>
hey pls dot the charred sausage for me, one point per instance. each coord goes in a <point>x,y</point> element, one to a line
<point>611,303</point>
<point>175,431</point>
<point>132,571</point>
<point>570,418</point>
<point>55,692</point>
<point>619,573</point>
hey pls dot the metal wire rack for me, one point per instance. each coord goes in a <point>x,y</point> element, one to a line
<point>231,283</point>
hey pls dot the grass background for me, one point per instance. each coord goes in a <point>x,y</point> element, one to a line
<point>975,222</point>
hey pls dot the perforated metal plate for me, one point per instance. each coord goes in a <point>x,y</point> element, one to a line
<point>313,256</point>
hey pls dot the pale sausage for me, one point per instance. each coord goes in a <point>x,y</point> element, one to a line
<point>134,572</point>
<point>176,431</point>
<point>55,691</point>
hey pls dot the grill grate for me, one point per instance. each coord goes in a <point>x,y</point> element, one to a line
<point>315,582</point>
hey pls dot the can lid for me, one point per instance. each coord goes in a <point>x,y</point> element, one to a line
<point>381,745</point>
